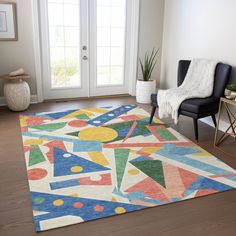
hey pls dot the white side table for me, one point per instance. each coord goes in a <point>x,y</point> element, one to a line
<point>16,92</point>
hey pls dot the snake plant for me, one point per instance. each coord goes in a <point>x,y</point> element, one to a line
<point>148,64</point>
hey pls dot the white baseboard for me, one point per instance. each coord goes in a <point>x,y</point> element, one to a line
<point>223,125</point>
<point>33,100</point>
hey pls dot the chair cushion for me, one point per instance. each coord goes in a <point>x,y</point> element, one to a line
<point>200,105</point>
<point>195,105</point>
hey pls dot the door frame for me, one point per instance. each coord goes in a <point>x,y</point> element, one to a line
<point>133,50</point>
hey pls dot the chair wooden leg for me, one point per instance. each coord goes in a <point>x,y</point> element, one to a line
<point>152,114</point>
<point>214,120</point>
<point>195,123</point>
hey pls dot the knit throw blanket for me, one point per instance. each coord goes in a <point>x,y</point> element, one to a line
<point>198,83</point>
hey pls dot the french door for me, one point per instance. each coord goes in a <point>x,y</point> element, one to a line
<point>85,47</point>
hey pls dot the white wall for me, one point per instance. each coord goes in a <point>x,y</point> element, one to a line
<point>197,29</point>
<point>21,54</point>
<point>16,54</point>
<point>151,31</point>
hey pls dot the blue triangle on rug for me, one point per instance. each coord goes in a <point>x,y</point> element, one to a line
<point>66,163</point>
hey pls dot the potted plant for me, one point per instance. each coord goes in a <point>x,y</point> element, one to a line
<point>231,87</point>
<point>146,86</point>
<point>230,91</point>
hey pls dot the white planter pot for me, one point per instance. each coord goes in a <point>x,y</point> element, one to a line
<point>144,89</point>
<point>17,95</point>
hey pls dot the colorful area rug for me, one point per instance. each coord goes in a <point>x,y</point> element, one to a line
<point>92,163</point>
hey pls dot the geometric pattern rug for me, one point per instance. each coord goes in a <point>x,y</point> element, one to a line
<point>93,163</point>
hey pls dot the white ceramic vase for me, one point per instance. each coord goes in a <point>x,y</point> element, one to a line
<point>17,95</point>
<point>144,89</point>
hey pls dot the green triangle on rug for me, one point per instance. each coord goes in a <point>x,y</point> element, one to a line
<point>121,157</point>
<point>49,127</point>
<point>82,117</point>
<point>36,156</point>
<point>153,169</point>
<point>74,134</point>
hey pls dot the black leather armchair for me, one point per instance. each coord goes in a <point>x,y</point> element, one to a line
<point>198,108</point>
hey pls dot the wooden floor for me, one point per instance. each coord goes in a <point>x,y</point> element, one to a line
<point>210,215</point>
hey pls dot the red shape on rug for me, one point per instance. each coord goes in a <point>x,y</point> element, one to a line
<point>24,129</point>
<point>77,123</point>
<point>105,180</point>
<point>203,192</point>
<point>223,175</point>
<point>145,154</point>
<point>142,145</point>
<point>37,174</point>
<point>153,130</point>
<point>187,177</point>
<point>78,205</point>
<point>99,208</point>
<point>28,148</point>
<point>36,120</point>
<point>130,117</point>
<point>150,188</point>
<point>51,145</point>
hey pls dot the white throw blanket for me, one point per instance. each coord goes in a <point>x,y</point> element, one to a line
<point>198,83</point>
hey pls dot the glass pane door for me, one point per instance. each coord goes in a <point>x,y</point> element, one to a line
<point>108,24</point>
<point>84,47</point>
<point>64,33</point>
<point>64,37</point>
<point>110,42</point>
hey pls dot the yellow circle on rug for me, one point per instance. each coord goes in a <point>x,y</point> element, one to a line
<point>101,134</point>
<point>120,210</point>
<point>133,172</point>
<point>76,169</point>
<point>58,202</point>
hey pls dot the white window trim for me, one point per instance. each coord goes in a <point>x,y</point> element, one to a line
<point>134,47</point>
<point>37,49</point>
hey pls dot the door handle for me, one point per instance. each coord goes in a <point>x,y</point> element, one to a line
<point>85,58</point>
<point>84,48</point>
